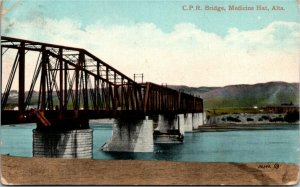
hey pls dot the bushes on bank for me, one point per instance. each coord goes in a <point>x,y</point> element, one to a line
<point>292,116</point>
<point>265,117</point>
<point>250,119</point>
<point>230,118</point>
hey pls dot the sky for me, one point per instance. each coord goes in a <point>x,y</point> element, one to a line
<point>167,43</point>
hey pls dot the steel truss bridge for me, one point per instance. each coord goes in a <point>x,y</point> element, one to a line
<point>71,85</point>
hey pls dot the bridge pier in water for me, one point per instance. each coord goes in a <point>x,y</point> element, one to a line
<point>131,135</point>
<point>192,121</point>
<point>63,141</point>
<point>198,120</point>
<point>188,122</point>
<point>170,129</point>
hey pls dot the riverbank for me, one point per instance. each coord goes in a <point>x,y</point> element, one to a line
<point>249,118</point>
<point>38,171</point>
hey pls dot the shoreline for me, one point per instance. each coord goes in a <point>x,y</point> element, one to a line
<point>240,127</point>
<point>55,171</point>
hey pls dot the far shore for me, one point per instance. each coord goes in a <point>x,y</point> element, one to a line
<point>55,171</point>
<point>251,124</point>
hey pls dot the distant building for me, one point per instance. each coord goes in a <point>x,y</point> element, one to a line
<point>283,108</point>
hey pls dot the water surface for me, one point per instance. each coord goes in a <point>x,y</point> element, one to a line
<point>233,146</point>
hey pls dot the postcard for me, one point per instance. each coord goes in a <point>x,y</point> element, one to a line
<point>150,92</point>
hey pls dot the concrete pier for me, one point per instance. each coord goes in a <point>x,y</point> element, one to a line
<point>188,122</point>
<point>63,144</point>
<point>192,121</point>
<point>198,120</point>
<point>204,118</point>
<point>131,136</point>
<point>170,129</point>
<point>163,124</point>
<point>166,123</point>
<point>180,120</point>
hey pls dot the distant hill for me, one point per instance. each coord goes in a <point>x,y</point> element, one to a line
<point>262,94</point>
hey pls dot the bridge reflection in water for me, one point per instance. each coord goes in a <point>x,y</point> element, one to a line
<point>68,86</point>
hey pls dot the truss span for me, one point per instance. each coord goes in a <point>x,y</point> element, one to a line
<point>66,82</point>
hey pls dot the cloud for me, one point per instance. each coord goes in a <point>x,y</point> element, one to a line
<point>186,55</point>
<point>276,36</point>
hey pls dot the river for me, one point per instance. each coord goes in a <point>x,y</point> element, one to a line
<point>280,145</point>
